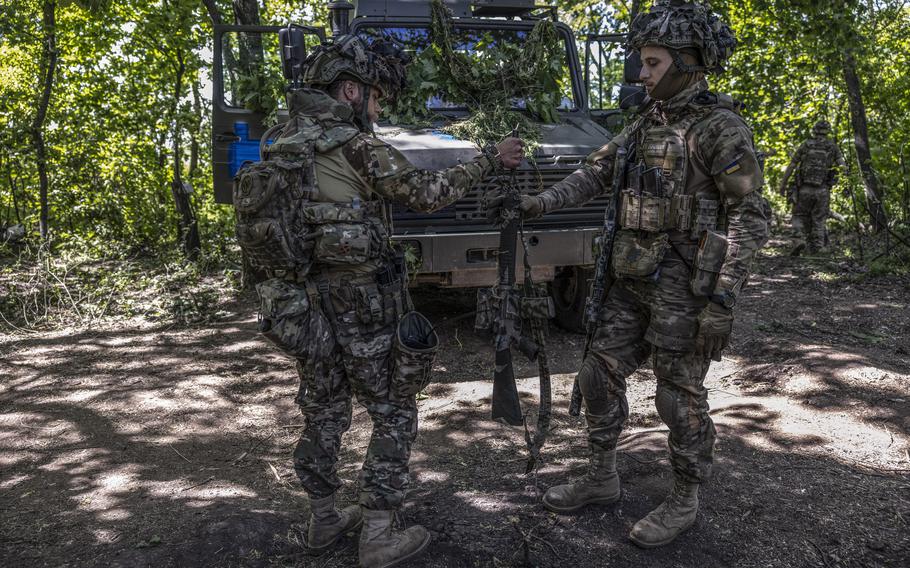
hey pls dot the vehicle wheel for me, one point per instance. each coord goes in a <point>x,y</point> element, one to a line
<point>569,290</point>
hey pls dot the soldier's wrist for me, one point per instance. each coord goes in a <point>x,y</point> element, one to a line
<point>490,154</point>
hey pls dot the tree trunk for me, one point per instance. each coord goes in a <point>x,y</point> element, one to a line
<point>861,141</point>
<point>194,135</point>
<point>49,67</point>
<point>246,12</point>
<point>187,228</point>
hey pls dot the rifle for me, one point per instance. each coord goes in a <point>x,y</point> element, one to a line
<point>506,320</point>
<point>512,309</point>
<point>601,267</point>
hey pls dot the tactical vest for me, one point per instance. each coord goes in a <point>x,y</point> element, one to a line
<point>281,225</point>
<point>815,165</point>
<point>655,198</point>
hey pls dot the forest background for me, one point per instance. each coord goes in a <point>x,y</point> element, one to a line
<point>104,122</point>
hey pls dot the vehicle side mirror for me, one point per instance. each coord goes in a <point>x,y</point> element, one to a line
<point>293,51</point>
<point>631,96</point>
<point>632,67</point>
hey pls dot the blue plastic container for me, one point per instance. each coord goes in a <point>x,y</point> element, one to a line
<point>244,149</point>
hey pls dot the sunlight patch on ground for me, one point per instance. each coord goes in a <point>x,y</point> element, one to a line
<point>486,502</point>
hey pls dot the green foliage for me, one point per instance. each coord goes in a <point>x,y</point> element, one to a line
<point>80,286</point>
<point>488,79</point>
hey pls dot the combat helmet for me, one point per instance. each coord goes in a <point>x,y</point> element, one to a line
<point>381,65</point>
<point>821,128</point>
<point>678,25</point>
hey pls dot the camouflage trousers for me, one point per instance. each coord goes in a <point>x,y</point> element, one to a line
<point>642,319</point>
<point>810,216</point>
<point>364,326</point>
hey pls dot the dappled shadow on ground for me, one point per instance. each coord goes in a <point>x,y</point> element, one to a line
<point>171,447</point>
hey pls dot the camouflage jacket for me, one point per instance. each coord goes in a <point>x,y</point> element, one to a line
<point>367,168</point>
<point>832,158</point>
<point>720,164</point>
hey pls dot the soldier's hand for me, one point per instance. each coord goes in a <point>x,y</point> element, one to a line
<point>715,324</point>
<point>510,152</point>
<point>531,208</point>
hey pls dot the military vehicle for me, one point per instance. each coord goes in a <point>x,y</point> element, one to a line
<point>455,246</point>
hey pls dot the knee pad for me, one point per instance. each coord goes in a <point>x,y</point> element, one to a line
<point>666,402</point>
<point>592,380</point>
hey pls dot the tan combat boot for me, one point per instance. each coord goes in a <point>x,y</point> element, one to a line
<point>600,485</point>
<point>328,524</point>
<point>669,519</point>
<point>381,547</point>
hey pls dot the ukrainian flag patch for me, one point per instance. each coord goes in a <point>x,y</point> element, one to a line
<point>732,168</point>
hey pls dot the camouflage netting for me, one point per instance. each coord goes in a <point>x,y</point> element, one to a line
<point>487,82</point>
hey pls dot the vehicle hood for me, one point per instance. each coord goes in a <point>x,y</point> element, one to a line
<point>430,148</point>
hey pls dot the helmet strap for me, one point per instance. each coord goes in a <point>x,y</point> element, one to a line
<point>366,125</point>
<point>674,81</point>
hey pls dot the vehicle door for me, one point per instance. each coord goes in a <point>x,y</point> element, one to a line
<point>247,95</point>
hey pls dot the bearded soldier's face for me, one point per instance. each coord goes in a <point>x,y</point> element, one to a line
<point>655,61</point>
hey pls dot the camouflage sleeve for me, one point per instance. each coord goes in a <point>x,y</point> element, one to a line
<point>729,150</point>
<point>794,162</point>
<point>392,176</point>
<point>587,182</point>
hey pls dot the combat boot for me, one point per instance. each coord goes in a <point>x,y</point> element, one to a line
<point>381,546</point>
<point>600,485</point>
<point>328,524</point>
<point>669,519</point>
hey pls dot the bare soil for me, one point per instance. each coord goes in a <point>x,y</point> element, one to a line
<point>149,445</point>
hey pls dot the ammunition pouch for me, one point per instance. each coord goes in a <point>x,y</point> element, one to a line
<point>483,317</point>
<point>639,255</point>
<point>488,304</point>
<point>652,214</point>
<point>344,234</point>
<point>413,352</point>
<point>289,317</point>
<point>709,259</point>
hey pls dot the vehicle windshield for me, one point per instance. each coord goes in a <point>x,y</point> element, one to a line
<point>479,44</point>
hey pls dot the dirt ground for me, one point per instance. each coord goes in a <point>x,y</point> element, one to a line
<point>144,445</point>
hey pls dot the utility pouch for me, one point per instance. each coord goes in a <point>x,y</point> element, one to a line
<point>287,318</point>
<point>681,212</point>
<point>344,235</point>
<point>705,217</point>
<point>538,307</point>
<point>645,212</point>
<point>709,258</point>
<point>368,303</point>
<point>483,316</point>
<point>413,353</point>
<point>638,256</point>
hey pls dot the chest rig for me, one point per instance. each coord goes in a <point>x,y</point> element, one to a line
<point>655,199</point>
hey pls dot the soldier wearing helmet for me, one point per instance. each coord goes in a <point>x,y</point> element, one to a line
<point>690,219</point>
<point>345,311</point>
<point>815,163</point>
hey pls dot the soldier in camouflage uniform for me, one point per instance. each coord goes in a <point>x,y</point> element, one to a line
<point>815,164</point>
<point>350,340</point>
<point>690,220</point>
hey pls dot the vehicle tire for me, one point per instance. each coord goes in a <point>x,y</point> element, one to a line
<point>569,290</point>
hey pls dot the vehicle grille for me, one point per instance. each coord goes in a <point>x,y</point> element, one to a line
<point>467,213</point>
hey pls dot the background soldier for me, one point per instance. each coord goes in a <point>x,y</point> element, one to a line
<point>814,163</point>
<point>690,222</point>
<point>339,315</point>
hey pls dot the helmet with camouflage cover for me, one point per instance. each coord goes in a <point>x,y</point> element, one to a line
<point>678,26</point>
<point>381,65</point>
<point>821,128</point>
